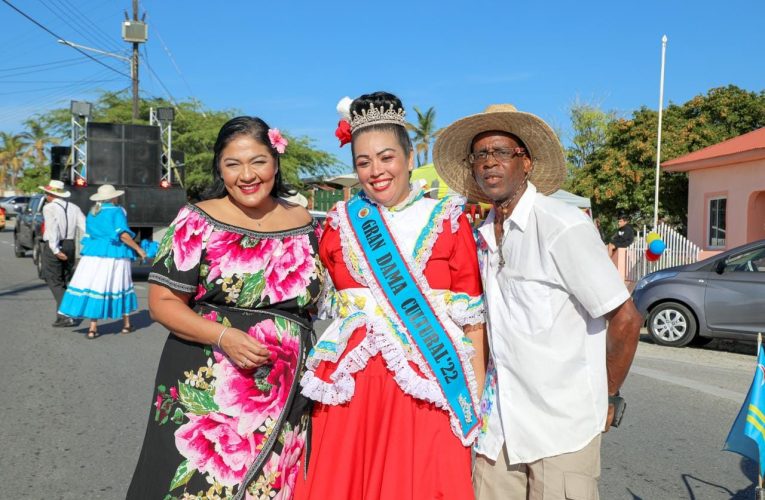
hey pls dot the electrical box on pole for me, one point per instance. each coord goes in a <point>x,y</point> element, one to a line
<point>135,31</point>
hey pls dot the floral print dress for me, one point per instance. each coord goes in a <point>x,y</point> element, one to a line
<point>216,430</point>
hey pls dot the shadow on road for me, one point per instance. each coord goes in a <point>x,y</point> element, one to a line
<point>726,345</point>
<point>138,320</point>
<point>25,287</point>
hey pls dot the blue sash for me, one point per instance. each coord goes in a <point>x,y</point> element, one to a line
<point>412,308</point>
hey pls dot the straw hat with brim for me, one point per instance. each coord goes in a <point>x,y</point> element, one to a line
<point>106,192</point>
<point>453,147</point>
<point>56,188</point>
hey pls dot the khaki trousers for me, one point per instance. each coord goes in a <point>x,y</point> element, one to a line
<point>572,476</point>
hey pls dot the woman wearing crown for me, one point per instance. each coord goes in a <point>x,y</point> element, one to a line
<point>396,376</point>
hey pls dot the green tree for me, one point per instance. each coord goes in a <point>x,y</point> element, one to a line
<point>37,139</point>
<point>423,133</point>
<point>620,174</point>
<point>13,154</point>
<point>589,124</point>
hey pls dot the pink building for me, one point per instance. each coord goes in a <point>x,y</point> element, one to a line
<point>726,191</point>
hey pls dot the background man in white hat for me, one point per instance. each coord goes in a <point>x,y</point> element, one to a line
<point>62,219</point>
<point>562,327</point>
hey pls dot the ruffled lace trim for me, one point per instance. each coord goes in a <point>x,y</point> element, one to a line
<point>463,348</point>
<point>449,206</point>
<point>465,309</point>
<point>378,341</point>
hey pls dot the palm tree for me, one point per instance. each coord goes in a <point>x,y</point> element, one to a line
<point>12,156</point>
<point>36,139</point>
<point>423,134</point>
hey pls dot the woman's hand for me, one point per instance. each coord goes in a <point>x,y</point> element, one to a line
<point>243,350</point>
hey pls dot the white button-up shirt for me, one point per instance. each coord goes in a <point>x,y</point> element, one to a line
<point>62,220</point>
<point>547,332</point>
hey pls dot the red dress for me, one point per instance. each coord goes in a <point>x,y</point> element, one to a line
<point>384,443</point>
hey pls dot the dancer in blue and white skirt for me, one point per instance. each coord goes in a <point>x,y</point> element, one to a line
<point>102,286</point>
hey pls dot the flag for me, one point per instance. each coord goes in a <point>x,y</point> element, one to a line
<point>747,436</point>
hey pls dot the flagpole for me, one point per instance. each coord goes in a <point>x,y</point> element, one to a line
<point>658,141</point>
<point>759,494</point>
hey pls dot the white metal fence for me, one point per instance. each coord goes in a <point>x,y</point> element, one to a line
<point>680,250</point>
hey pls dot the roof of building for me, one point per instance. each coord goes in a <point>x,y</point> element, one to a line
<point>746,147</point>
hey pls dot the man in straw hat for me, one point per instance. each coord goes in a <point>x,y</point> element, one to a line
<point>62,219</point>
<point>563,329</point>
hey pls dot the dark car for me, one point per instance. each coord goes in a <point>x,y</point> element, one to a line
<point>27,235</point>
<point>14,205</point>
<point>722,296</point>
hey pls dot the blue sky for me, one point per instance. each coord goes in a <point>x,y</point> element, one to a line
<point>291,61</point>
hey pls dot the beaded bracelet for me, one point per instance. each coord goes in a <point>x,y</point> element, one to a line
<point>221,336</point>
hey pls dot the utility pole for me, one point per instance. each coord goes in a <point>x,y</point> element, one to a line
<point>134,63</point>
<point>135,32</point>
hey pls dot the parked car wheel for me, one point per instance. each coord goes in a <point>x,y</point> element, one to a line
<point>18,250</point>
<point>672,324</point>
<point>37,258</point>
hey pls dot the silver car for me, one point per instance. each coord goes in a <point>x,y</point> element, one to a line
<point>14,205</point>
<point>722,296</point>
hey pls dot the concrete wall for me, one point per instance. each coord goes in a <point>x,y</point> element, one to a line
<point>743,184</point>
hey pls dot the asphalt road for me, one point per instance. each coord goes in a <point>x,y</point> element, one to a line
<point>74,410</point>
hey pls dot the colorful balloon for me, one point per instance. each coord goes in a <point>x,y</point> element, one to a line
<point>652,236</point>
<point>657,246</point>
<point>651,257</point>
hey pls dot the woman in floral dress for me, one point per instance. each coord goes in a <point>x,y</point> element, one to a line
<point>231,281</point>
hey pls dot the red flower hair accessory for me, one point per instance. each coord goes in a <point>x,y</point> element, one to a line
<point>343,132</point>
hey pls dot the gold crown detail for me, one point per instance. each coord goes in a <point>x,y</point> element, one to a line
<point>374,116</point>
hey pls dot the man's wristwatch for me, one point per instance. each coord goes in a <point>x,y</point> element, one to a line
<point>619,406</point>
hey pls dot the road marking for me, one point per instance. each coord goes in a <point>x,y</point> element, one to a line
<point>6,243</point>
<point>719,392</point>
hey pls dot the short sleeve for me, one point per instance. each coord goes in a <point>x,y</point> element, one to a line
<point>466,299</point>
<point>121,223</point>
<point>178,259</point>
<point>586,271</point>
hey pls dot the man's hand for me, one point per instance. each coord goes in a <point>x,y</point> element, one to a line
<point>609,417</point>
<point>61,255</point>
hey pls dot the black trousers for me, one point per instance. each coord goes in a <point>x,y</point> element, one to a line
<point>57,273</point>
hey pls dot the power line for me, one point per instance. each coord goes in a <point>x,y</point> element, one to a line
<point>41,64</point>
<point>7,2</point>
<point>98,30</point>
<point>154,74</point>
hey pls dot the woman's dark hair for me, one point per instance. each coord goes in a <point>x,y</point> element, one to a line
<point>383,100</point>
<point>255,128</point>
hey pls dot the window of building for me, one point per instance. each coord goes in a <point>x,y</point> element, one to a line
<point>717,222</point>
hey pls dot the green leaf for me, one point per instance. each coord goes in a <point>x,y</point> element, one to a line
<point>196,401</point>
<point>161,388</point>
<point>251,290</point>
<point>182,475</point>
<point>178,416</point>
<point>164,420</point>
<point>282,325</point>
<point>247,242</point>
<point>166,245</point>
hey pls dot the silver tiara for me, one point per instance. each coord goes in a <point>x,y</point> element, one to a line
<point>374,116</point>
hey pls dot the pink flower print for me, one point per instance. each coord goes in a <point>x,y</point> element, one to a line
<point>231,253</point>
<point>158,402</point>
<point>201,290</point>
<point>174,393</point>
<point>212,445</point>
<point>278,142</point>
<point>289,270</point>
<point>289,463</point>
<point>253,400</point>
<point>191,229</point>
